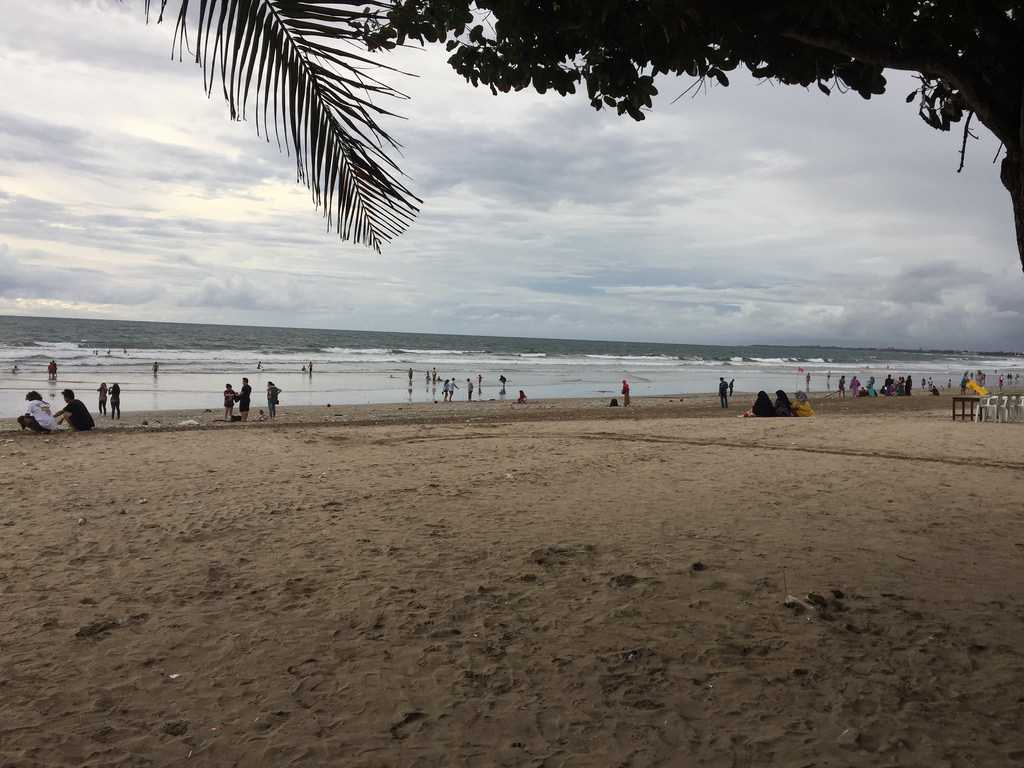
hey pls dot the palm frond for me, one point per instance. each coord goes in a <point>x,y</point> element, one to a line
<point>302,65</point>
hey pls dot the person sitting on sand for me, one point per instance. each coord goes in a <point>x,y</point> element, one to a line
<point>37,416</point>
<point>522,397</point>
<point>802,406</point>
<point>763,405</point>
<point>229,402</point>
<point>782,405</point>
<point>74,413</point>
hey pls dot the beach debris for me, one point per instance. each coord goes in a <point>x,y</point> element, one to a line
<point>698,566</point>
<point>145,423</point>
<point>849,739</point>
<point>175,727</point>
<point>838,594</point>
<point>797,605</point>
<point>143,501</point>
<point>81,521</point>
<point>188,423</point>
<point>407,719</point>
<point>174,676</point>
<point>624,580</point>
<point>103,627</point>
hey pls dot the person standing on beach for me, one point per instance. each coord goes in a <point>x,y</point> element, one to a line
<point>732,382</point>
<point>273,395</point>
<point>244,398</point>
<point>428,379</point>
<point>625,393</point>
<point>723,392</point>
<point>444,391</point>
<point>828,381</point>
<point>103,397</point>
<point>230,396</point>
<point>502,380</point>
<point>842,385</point>
<point>410,378</point>
<point>452,386</point>
<point>808,380</point>
<point>479,383</point>
<point>469,389</point>
<point>115,400</point>
<point>310,368</point>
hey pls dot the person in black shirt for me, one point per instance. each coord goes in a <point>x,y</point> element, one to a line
<point>244,395</point>
<point>115,400</point>
<point>723,392</point>
<point>74,414</point>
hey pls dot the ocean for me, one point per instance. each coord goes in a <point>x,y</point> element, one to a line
<point>195,361</point>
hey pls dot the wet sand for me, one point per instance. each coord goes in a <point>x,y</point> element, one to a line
<point>558,585</point>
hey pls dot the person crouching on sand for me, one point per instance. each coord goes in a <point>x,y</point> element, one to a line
<point>74,413</point>
<point>229,402</point>
<point>37,416</point>
<point>522,397</point>
<point>625,393</point>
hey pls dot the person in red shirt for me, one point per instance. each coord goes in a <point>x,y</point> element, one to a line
<point>522,397</point>
<point>625,393</point>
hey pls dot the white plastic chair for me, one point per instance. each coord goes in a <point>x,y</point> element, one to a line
<point>1017,408</point>
<point>986,410</point>
<point>1003,408</point>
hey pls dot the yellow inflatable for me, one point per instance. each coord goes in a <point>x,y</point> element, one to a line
<point>976,388</point>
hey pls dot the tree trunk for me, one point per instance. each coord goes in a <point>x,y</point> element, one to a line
<point>1012,175</point>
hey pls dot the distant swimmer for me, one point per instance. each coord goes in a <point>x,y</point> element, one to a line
<point>14,369</point>
<point>259,367</point>
<point>410,377</point>
<point>156,368</point>
<point>51,370</point>
<point>108,353</point>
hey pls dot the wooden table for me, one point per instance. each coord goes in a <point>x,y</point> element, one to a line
<point>973,400</point>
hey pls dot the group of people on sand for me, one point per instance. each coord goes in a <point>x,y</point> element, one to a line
<point>38,416</point>
<point>783,406</point>
<point>243,398</point>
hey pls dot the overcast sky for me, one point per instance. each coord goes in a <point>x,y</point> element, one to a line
<point>750,214</point>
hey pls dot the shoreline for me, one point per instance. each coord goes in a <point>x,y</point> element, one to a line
<point>494,411</point>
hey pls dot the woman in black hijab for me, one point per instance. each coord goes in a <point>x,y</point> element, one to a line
<point>763,405</point>
<point>782,405</point>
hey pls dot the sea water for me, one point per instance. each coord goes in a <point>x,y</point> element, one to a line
<point>196,361</point>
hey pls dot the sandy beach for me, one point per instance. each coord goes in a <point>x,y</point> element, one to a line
<point>561,584</point>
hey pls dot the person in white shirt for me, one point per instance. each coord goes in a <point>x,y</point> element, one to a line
<point>37,415</point>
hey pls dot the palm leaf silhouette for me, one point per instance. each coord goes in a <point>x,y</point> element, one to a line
<point>302,65</point>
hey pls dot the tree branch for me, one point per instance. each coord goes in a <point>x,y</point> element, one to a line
<point>970,87</point>
<point>963,146</point>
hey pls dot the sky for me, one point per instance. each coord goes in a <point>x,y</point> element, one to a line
<point>756,213</point>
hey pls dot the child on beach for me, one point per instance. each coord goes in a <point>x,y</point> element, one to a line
<point>103,397</point>
<point>229,402</point>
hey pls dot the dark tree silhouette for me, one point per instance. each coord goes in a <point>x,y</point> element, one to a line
<point>302,63</point>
